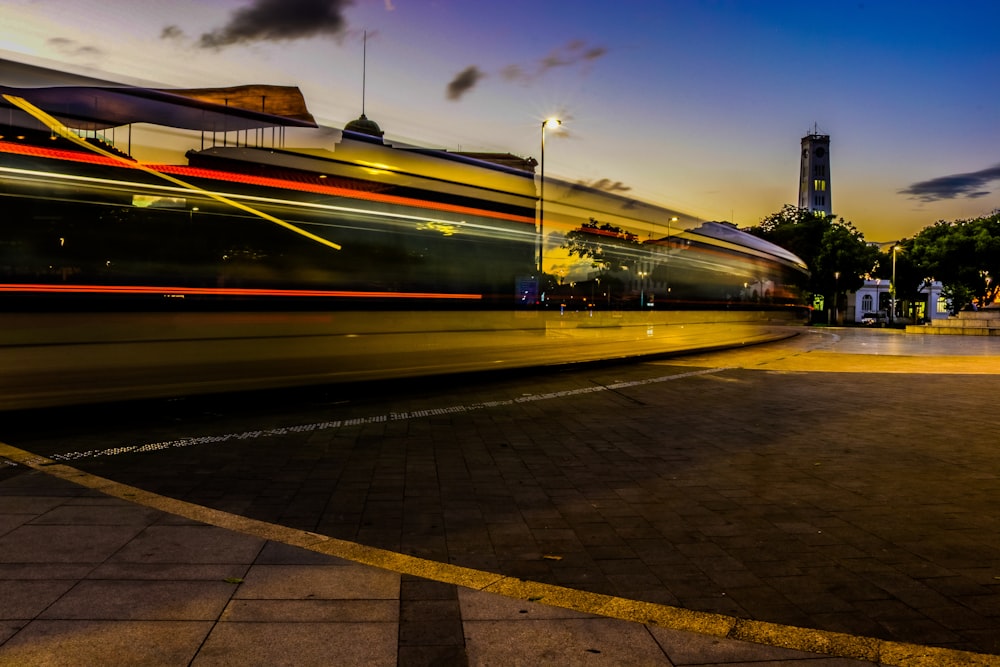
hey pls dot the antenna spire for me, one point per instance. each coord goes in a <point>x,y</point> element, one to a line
<point>364,70</point>
<point>362,125</point>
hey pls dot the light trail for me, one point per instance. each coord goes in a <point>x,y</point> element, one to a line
<point>63,131</point>
<point>112,184</point>
<point>224,291</point>
<point>263,181</point>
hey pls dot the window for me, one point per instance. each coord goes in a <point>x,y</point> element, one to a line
<point>819,200</point>
<point>866,303</point>
<point>819,185</point>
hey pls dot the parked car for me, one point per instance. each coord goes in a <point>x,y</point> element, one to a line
<point>874,319</point>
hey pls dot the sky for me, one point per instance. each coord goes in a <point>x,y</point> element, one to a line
<point>697,105</point>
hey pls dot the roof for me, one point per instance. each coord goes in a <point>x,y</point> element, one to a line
<point>208,109</point>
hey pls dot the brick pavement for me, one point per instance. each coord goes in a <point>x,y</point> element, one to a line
<point>848,502</point>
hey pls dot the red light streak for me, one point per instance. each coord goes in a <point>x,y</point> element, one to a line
<point>224,291</point>
<point>262,181</point>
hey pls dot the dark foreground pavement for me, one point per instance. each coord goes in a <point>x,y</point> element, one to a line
<point>830,500</point>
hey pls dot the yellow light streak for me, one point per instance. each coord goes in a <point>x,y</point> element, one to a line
<point>63,131</point>
<point>441,223</point>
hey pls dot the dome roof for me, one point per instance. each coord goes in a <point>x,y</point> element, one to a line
<point>363,125</point>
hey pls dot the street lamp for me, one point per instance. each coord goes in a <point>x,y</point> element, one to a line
<point>836,288</point>
<point>548,122</point>
<point>878,295</point>
<point>892,287</point>
<point>666,268</point>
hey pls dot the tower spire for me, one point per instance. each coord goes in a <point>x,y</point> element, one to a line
<point>362,125</point>
<point>364,70</point>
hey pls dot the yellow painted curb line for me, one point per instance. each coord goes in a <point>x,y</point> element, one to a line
<point>648,613</point>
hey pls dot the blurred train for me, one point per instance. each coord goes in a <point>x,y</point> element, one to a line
<point>251,264</point>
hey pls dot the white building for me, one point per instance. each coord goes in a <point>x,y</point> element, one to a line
<point>876,297</point>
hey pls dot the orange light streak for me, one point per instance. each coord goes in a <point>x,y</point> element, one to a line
<point>53,124</point>
<point>223,291</point>
<point>262,181</point>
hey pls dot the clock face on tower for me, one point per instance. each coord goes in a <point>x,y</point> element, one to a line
<point>820,152</point>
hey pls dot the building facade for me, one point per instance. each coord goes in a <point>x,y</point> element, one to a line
<point>875,297</point>
<point>815,193</point>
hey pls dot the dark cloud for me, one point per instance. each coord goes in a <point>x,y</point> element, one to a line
<point>576,52</point>
<point>607,185</point>
<point>573,53</point>
<point>464,81</point>
<point>73,48</point>
<point>279,20</point>
<point>514,73</point>
<point>171,32</point>
<point>969,186</point>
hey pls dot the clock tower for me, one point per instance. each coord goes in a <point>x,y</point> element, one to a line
<point>814,173</point>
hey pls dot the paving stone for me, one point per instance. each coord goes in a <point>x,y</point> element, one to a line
<point>91,642</point>
<point>64,544</point>
<point>561,641</point>
<point>189,544</point>
<point>312,611</point>
<point>686,648</point>
<point>118,514</point>
<point>293,644</point>
<point>27,599</point>
<point>127,600</point>
<point>300,582</point>
<point>167,571</point>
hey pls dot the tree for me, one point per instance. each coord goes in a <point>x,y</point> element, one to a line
<point>607,246</point>
<point>896,266</point>
<point>964,255</point>
<point>836,253</point>
<point>843,261</point>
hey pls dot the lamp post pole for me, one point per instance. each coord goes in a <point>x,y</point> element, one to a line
<point>548,122</point>
<point>878,295</point>
<point>666,268</point>
<point>892,288</point>
<point>836,288</point>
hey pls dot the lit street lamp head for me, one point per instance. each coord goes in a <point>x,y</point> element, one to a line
<point>548,122</point>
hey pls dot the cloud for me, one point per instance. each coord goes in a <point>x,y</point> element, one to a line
<point>969,186</point>
<point>607,185</point>
<point>279,20</point>
<point>576,52</point>
<point>573,53</point>
<point>73,48</point>
<point>464,81</point>
<point>172,32</point>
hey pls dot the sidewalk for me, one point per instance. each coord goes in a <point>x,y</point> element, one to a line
<point>88,579</point>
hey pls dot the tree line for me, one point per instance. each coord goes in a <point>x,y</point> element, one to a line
<point>964,255</point>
